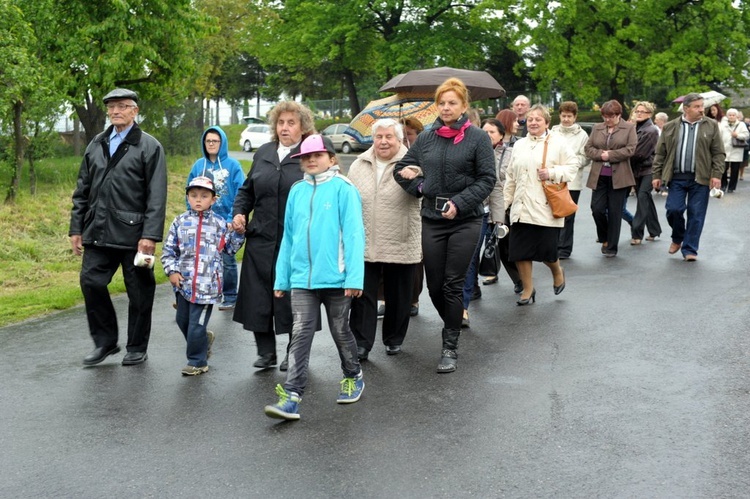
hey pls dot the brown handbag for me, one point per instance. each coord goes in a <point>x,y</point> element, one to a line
<point>558,195</point>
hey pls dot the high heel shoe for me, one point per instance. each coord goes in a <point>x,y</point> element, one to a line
<point>526,301</point>
<point>559,289</point>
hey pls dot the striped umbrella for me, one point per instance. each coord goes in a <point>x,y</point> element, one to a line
<point>420,106</point>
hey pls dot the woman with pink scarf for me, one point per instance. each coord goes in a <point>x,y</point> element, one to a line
<point>452,168</point>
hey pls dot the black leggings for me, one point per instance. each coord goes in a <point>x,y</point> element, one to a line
<point>447,246</point>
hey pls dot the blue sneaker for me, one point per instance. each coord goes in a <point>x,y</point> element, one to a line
<point>286,408</point>
<point>351,389</point>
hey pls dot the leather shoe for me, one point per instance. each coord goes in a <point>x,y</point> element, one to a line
<point>559,289</point>
<point>265,361</point>
<point>284,366</point>
<point>99,354</point>
<point>518,288</point>
<point>134,358</point>
<point>690,257</point>
<point>393,349</point>
<point>414,311</point>
<point>362,353</point>
<point>674,248</point>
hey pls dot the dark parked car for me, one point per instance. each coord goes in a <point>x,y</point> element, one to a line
<point>341,141</point>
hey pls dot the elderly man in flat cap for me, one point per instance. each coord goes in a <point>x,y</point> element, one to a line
<point>117,219</point>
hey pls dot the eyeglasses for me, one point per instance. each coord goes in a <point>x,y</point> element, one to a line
<point>212,142</point>
<point>642,111</point>
<point>119,106</point>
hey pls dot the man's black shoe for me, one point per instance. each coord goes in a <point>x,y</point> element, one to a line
<point>99,354</point>
<point>362,353</point>
<point>284,366</point>
<point>265,361</point>
<point>134,358</point>
<point>393,349</point>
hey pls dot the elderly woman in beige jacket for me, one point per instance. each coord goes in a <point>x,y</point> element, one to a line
<point>731,126</point>
<point>393,233</point>
<point>534,231</point>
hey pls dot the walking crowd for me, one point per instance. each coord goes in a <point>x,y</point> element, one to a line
<point>418,202</point>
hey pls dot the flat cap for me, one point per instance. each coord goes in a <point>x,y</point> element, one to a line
<point>121,93</point>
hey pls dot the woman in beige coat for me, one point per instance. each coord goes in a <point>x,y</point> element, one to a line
<point>534,231</point>
<point>393,232</point>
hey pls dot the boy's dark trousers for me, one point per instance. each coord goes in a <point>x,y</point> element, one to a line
<point>192,319</point>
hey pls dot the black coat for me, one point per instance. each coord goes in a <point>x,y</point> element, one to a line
<point>643,157</point>
<point>264,193</point>
<point>463,172</point>
<point>120,200</point>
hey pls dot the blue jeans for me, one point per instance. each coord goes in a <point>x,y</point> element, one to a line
<point>305,309</point>
<point>687,194</point>
<point>471,272</point>
<point>230,278</point>
<point>192,319</point>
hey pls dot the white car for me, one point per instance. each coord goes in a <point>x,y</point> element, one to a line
<point>254,136</point>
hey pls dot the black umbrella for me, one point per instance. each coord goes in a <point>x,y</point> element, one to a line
<point>481,84</point>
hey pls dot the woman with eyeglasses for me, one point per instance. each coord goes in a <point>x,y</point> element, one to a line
<point>647,133</point>
<point>610,147</point>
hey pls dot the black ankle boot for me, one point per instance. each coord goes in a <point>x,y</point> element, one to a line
<point>448,361</point>
<point>449,354</point>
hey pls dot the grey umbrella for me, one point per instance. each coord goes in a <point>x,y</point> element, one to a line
<point>481,84</point>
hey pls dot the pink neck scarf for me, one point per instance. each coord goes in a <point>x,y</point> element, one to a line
<point>456,133</point>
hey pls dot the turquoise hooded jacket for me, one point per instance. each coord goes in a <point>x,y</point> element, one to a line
<point>227,172</point>
<point>324,237</point>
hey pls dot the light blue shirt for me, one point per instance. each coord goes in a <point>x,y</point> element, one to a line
<point>115,139</point>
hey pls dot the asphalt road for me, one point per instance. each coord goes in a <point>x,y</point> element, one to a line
<point>631,383</point>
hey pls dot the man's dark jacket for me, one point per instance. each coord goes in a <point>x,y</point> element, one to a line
<point>122,199</point>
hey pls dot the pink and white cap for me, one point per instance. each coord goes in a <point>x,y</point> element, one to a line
<point>315,143</point>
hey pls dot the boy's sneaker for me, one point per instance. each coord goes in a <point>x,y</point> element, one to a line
<point>286,408</point>
<point>351,389</point>
<point>194,370</point>
<point>211,337</point>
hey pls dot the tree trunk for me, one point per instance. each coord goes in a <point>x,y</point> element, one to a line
<point>18,150</point>
<point>76,136</point>
<point>352,91</point>
<point>92,118</point>
<point>198,101</point>
<point>32,174</point>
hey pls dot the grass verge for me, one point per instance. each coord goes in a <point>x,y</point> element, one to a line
<point>38,271</point>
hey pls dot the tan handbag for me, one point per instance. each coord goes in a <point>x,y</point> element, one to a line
<point>558,195</point>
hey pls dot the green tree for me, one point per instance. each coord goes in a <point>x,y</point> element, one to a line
<point>358,42</point>
<point>20,82</point>
<point>606,48</point>
<point>145,45</point>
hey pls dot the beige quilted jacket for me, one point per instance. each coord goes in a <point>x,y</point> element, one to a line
<point>393,227</point>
